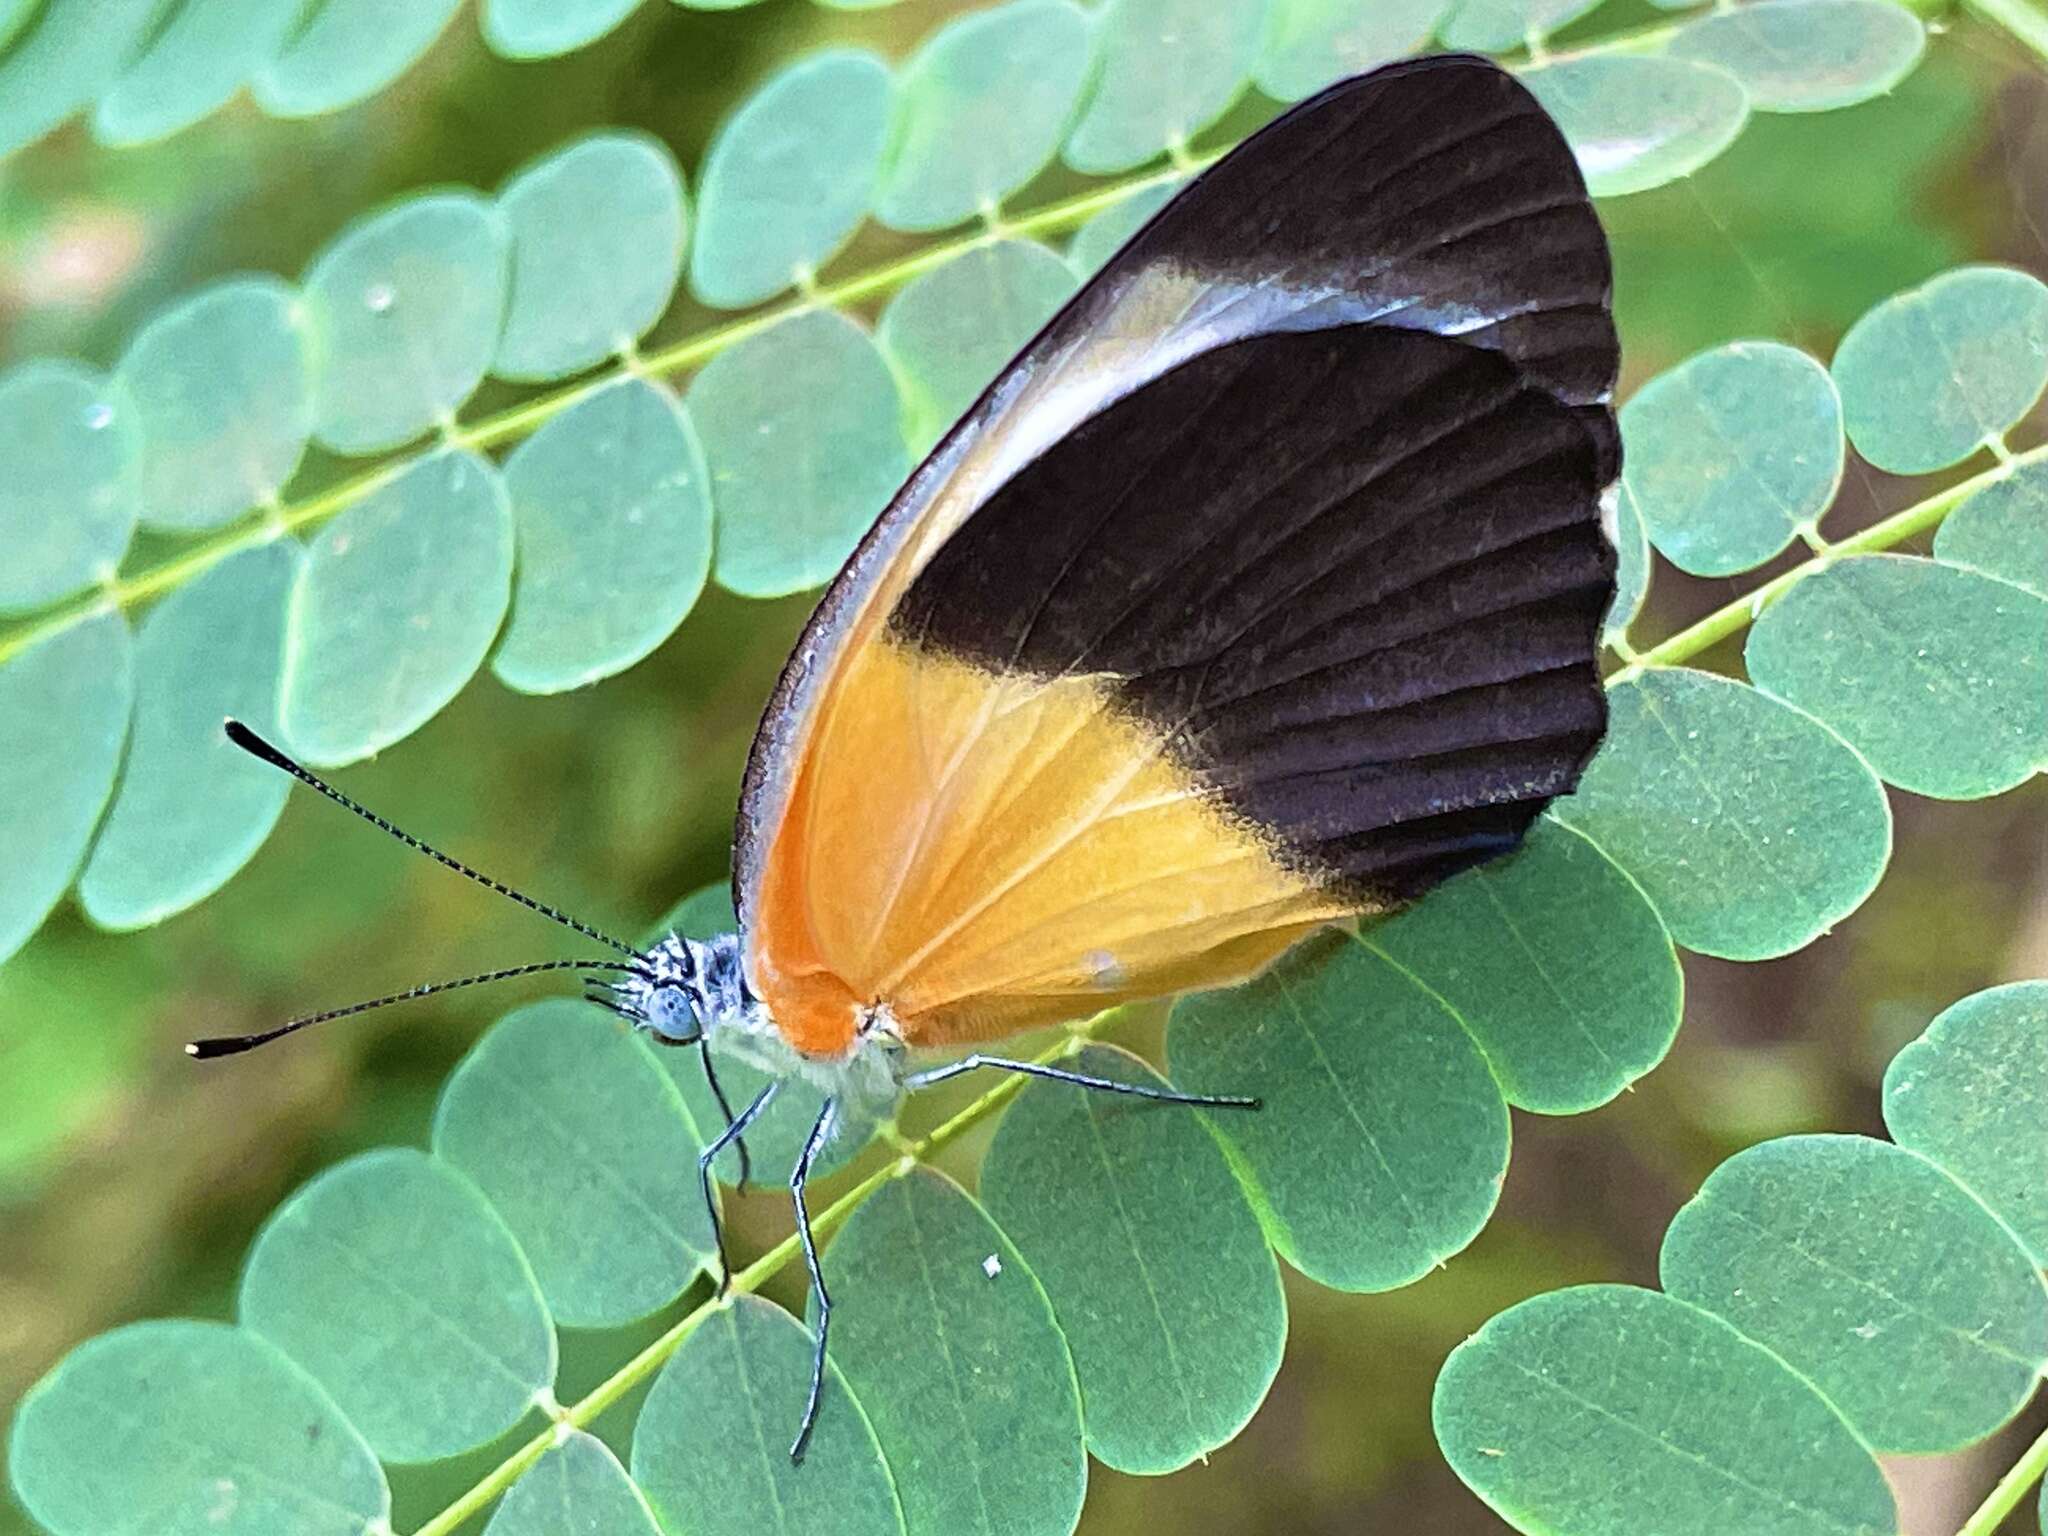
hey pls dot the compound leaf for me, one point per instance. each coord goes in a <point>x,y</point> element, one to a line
<point>207,1428</point>
<point>393,1282</point>
<point>582,1143</point>
<point>1808,55</point>
<point>1383,1138</point>
<point>192,808</point>
<point>1863,1266</point>
<point>1934,673</point>
<point>1637,121</point>
<point>981,1422</point>
<point>711,1447</point>
<point>1752,827</point>
<point>1155,1266</point>
<point>1166,69</point>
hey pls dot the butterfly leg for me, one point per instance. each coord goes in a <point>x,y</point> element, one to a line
<point>973,1063</point>
<point>725,1138</point>
<point>725,1109</point>
<point>798,1178</point>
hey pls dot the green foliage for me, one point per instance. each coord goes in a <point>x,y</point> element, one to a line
<point>1808,55</point>
<point>1165,69</point>
<point>71,499</point>
<point>1638,121</point>
<point>1825,1297</point>
<point>1310,43</point>
<point>577,1486</point>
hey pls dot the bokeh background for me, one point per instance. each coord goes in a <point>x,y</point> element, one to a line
<point>131,1181</point>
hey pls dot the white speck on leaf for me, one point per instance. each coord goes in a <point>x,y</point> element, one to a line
<point>991,1266</point>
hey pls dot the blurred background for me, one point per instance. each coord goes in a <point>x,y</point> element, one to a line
<point>131,1182</point>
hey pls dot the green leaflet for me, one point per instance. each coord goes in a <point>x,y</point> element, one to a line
<point>404,309</point>
<point>1972,1094</point>
<point>1494,26</point>
<point>1631,565</point>
<point>1579,1410</point>
<point>65,53</point>
<point>207,1428</point>
<point>611,503</point>
<point>803,434</point>
<point>1934,673</point>
<point>393,1282</point>
<point>68,503</point>
<point>1099,239</point>
<point>1877,1278</point>
<point>597,245</point>
<point>774,1140</point>
<point>1555,961</point>
<point>789,177</point>
<point>711,1447</point>
<point>221,389</point>
<point>1313,43</point>
<point>582,1143</point>
<point>192,808</point>
<point>204,52</point>
<point>542,29</point>
<point>981,109</point>
<point>950,331</point>
<point>1751,826</point>
<point>965,1377</point>
<point>1932,373</point>
<point>1166,69</point>
<point>2002,530</point>
<point>1808,55</point>
<point>577,1487</point>
<point>396,607</point>
<point>347,50</point>
<point>1156,1268</point>
<point>1731,455</point>
<point>1637,121</point>
<point>64,706</point>
<point>1383,1140</point>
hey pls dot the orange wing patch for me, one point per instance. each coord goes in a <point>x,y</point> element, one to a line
<point>983,854</point>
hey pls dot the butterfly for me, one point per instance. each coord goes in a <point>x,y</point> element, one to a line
<point>1261,591</point>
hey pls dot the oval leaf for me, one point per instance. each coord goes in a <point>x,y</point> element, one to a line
<point>582,1143</point>
<point>202,53</point>
<point>981,109</point>
<point>1156,1268</point>
<point>802,431</point>
<point>612,505</point>
<point>192,808</point>
<point>1383,1138</point>
<point>346,50</point>
<point>1495,26</point>
<point>1931,374</point>
<point>65,53</point>
<point>577,1488</point>
<point>1732,454</point>
<point>68,502</point>
<point>1557,964</point>
<point>63,715</point>
<point>597,246</point>
<point>1752,827</point>
<point>1313,43</point>
<point>1637,121</point>
<point>1863,1266</point>
<point>209,1429</point>
<point>1972,1094</point>
<point>1808,55</point>
<point>1166,70</point>
<point>965,1377</point>
<point>1631,565</point>
<point>951,330</point>
<point>789,177</point>
<point>1934,673</point>
<point>390,1279</point>
<point>1579,1410</point>
<point>2002,530</point>
<point>543,29</point>
<point>405,307</point>
<point>223,398</point>
<point>726,1471</point>
<point>1104,235</point>
<point>396,607</point>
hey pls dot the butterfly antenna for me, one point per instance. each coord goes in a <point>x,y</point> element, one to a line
<point>256,746</point>
<point>232,1045</point>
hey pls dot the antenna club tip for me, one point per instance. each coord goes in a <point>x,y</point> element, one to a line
<point>191,1047</point>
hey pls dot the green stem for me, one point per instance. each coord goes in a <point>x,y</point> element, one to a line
<point>2025,23</point>
<point>744,1282</point>
<point>2012,1487</point>
<point>1896,529</point>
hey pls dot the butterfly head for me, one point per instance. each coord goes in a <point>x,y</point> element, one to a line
<point>683,989</point>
